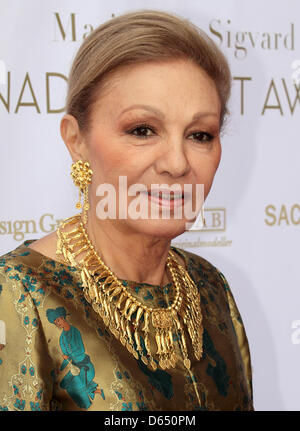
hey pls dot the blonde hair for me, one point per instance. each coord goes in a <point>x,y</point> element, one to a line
<point>137,37</point>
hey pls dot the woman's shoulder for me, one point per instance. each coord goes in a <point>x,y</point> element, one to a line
<point>209,278</point>
<point>46,245</point>
<point>31,252</point>
<point>28,269</point>
<point>202,266</point>
<point>14,256</point>
<point>215,289</point>
<point>21,256</point>
<point>22,297</point>
<point>17,267</point>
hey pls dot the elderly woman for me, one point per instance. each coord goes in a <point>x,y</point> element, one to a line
<point>104,314</point>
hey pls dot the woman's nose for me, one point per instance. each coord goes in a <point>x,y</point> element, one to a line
<point>172,158</point>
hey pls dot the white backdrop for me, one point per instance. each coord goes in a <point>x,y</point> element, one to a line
<point>253,211</point>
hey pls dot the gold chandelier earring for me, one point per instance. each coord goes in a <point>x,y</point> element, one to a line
<point>82,176</point>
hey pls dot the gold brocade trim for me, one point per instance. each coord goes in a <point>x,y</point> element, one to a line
<point>125,316</point>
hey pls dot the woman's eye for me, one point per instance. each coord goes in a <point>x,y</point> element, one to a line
<point>145,131</point>
<point>141,131</point>
<point>202,136</point>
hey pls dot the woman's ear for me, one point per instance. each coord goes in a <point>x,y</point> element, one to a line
<point>72,137</point>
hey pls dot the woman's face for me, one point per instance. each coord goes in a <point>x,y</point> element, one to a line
<point>172,137</point>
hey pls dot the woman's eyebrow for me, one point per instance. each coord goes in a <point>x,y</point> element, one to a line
<point>162,115</point>
<point>146,107</point>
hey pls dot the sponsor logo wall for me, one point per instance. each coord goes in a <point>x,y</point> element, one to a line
<point>252,214</point>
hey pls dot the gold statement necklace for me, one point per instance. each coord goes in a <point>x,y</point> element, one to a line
<point>126,317</point>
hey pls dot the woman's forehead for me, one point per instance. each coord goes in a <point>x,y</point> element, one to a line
<point>149,84</point>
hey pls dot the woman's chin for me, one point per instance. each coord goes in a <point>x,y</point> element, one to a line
<point>160,228</point>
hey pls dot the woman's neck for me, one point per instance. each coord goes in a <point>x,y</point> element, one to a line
<point>133,256</point>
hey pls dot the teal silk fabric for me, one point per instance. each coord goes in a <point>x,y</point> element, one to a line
<point>57,354</point>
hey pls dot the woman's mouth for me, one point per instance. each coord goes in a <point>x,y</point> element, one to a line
<point>166,198</point>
